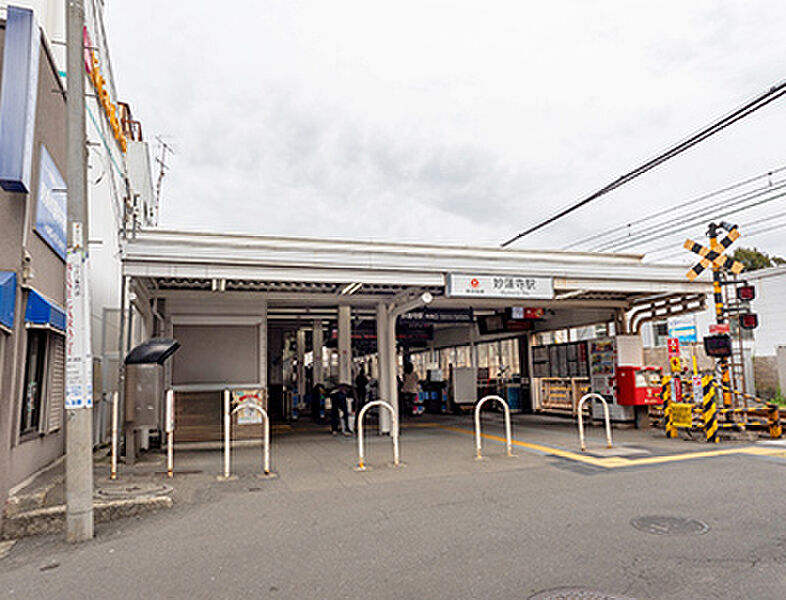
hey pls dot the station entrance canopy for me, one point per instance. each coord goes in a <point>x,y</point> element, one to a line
<point>304,279</point>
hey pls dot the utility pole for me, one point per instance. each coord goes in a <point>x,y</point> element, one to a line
<point>79,401</point>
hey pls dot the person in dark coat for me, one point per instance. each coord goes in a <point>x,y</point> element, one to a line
<point>338,402</point>
<point>361,383</point>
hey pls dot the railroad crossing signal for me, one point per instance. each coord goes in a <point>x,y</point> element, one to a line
<point>714,255</point>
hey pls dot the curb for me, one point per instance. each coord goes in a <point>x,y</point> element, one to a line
<point>49,520</point>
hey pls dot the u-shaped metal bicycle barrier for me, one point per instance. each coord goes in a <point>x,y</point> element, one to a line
<point>508,436</point>
<point>228,412</point>
<point>584,398</point>
<point>394,432</point>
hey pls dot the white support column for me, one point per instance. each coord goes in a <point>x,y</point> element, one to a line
<point>318,343</point>
<point>392,356</point>
<point>301,359</point>
<point>383,366</point>
<point>344,345</point>
<point>262,344</point>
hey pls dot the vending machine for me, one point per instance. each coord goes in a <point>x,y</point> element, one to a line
<point>618,374</point>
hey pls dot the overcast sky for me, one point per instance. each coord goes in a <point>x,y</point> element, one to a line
<point>446,121</point>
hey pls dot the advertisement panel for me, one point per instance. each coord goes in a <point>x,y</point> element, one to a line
<point>50,217</point>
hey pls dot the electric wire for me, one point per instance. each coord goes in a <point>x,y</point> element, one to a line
<point>742,227</point>
<point>690,203</point>
<point>731,207</point>
<point>774,227</point>
<point>735,115</point>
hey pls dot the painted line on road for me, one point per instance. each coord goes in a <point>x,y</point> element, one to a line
<point>616,462</point>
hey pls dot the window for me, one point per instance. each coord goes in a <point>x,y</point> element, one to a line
<point>660,332</point>
<point>35,375</point>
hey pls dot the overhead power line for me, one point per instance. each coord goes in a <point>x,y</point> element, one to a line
<point>670,211</point>
<point>730,206</point>
<point>735,115</point>
<point>687,224</point>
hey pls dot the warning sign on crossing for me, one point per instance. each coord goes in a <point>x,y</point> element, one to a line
<point>682,415</point>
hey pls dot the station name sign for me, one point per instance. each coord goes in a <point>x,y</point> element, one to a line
<point>499,286</point>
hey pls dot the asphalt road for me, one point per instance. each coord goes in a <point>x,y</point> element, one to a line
<point>539,524</point>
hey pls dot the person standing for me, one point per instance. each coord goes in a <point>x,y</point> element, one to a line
<point>410,388</point>
<point>338,404</point>
<point>361,383</point>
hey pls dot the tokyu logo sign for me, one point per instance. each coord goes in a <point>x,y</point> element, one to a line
<point>499,286</point>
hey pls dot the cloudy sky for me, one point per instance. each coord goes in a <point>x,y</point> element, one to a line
<point>447,121</point>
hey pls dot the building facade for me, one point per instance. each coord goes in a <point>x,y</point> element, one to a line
<point>33,227</point>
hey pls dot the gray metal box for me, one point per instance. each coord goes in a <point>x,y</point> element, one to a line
<point>144,389</point>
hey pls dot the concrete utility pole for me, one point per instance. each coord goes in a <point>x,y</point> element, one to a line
<point>79,403</point>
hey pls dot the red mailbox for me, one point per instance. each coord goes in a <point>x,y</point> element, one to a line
<point>637,386</point>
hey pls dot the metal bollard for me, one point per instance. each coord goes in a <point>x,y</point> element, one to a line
<point>581,419</point>
<point>113,469</point>
<point>361,454</point>
<point>508,436</point>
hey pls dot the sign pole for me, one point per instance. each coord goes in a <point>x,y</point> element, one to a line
<point>79,393</point>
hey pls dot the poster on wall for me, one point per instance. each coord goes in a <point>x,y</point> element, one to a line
<point>50,217</point>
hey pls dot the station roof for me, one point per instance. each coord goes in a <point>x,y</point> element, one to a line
<point>269,263</point>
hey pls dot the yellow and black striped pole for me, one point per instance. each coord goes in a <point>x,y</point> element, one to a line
<point>665,396</point>
<point>774,421</point>
<point>720,317</point>
<point>709,410</point>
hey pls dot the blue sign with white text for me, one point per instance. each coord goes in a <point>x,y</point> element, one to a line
<point>18,99</point>
<point>50,217</point>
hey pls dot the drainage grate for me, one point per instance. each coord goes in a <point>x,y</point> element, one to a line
<point>575,594</point>
<point>124,492</point>
<point>660,525</point>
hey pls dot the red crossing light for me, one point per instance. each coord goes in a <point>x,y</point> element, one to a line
<point>749,321</point>
<point>746,293</point>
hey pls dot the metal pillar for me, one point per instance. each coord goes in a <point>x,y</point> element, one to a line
<point>262,342</point>
<point>383,379</point>
<point>318,342</point>
<point>79,421</point>
<point>301,359</point>
<point>392,356</point>
<point>344,345</point>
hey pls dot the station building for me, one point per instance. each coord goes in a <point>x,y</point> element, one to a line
<point>247,308</point>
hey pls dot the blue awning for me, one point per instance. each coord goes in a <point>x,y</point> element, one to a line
<point>42,311</point>
<point>7,298</point>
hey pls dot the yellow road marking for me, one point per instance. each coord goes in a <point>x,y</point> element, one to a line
<point>614,462</point>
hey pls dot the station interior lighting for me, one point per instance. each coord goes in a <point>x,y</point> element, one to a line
<point>350,288</point>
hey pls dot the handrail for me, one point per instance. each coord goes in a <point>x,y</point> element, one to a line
<point>394,432</point>
<point>584,398</point>
<point>508,436</point>
<point>227,432</point>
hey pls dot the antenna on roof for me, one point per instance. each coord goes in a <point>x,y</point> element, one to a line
<point>162,169</point>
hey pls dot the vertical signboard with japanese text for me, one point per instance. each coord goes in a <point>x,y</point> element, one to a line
<point>50,216</point>
<point>79,363</point>
<point>18,99</point>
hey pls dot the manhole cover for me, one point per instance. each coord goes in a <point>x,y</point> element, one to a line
<point>659,525</point>
<point>134,490</point>
<point>576,594</point>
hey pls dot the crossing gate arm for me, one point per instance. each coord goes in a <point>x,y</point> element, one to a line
<point>394,432</point>
<point>605,414</point>
<point>508,437</point>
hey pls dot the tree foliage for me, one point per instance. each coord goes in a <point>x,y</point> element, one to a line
<point>754,259</point>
